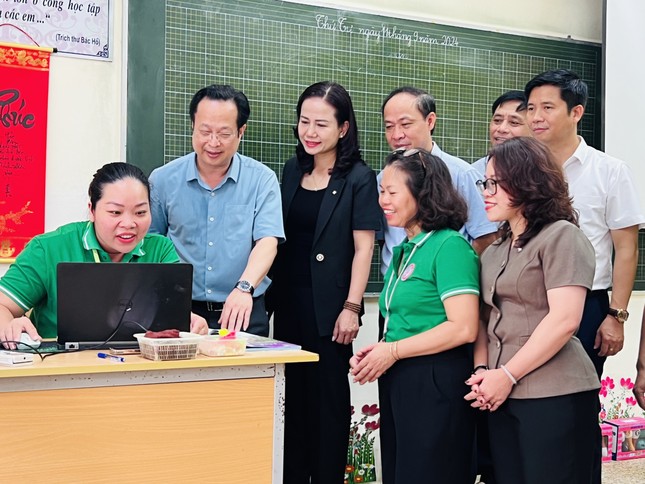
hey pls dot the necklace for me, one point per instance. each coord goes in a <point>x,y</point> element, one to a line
<point>313,179</point>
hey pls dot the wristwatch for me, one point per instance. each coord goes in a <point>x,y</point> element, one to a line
<point>620,314</point>
<point>245,286</point>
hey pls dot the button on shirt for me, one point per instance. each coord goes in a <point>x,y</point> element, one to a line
<point>558,256</point>
<point>604,194</point>
<point>464,178</point>
<point>214,229</point>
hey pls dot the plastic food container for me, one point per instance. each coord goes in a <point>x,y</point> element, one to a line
<point>161,349</point>
<point>218,346</point>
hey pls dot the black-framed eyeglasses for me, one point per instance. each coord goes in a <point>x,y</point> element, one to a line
<point>403,153</point>
<point>488,184</point>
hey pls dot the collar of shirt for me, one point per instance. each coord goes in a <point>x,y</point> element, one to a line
<point>579,154</point>
<point>408,245</point>
<point>90,242</point>
<point>436,150</point>
<point>233,172</point>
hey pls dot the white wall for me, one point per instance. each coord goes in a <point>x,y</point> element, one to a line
<point>85,126</point>
<point>623,73</point>
<point>624,106</point>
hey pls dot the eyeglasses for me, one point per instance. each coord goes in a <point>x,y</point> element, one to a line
<point>223,137</point>
<point>488,184</point>
<point>403,153</point>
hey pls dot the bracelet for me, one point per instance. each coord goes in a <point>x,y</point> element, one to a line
<point>391,345</point>
<point>480,367</point>
<point>353,307</point>
<point>509,374</point>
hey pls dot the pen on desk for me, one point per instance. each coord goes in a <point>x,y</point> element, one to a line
<point>105,356</point>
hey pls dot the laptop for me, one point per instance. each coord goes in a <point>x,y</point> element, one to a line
<point>104,305</point>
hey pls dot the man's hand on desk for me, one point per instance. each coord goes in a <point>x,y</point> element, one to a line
<point>236,314</point>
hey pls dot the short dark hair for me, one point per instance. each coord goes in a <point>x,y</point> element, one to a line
<point>222,92</point>
<point>439,204</point>
<point>573,90</point>
<point>526,170</point>
<point>426,103</point>
<point>516,96</point>
<point>112,173</point>
<point>348,149</point>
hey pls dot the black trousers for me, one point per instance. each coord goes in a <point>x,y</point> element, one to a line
<point>427,428</point>
<point>554,440</point>
<point>317,405</point>
<point>482,461</point>
<point>594,313</point>
<point>211,312</point>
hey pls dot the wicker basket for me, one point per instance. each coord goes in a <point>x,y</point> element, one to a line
<point>163,349</point>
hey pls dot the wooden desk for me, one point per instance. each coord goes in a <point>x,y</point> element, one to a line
<point>78,418</point>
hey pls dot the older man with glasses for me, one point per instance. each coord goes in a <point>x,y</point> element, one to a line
<point>222,211</point>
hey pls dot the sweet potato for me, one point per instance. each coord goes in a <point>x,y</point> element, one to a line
<point>166,333</point>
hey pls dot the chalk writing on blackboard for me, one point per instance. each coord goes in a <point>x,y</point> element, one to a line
<point>384,32</point>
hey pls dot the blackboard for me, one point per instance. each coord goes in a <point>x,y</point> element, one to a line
<point>273,49</point>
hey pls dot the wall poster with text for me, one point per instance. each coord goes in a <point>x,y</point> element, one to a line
<point>24,87</point>
<point>79,28</point>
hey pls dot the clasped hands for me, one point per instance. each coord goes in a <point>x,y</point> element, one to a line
<point>369,363</point>
<point>488,389</point>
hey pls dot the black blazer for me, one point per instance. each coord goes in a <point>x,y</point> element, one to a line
<point>349,203</point>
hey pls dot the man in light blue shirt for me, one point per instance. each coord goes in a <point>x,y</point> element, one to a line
<point>508,121</point>
<point>409,115</point>
<point>222,210</point>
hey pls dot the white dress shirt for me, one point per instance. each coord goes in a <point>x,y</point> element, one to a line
<point>605,195</point>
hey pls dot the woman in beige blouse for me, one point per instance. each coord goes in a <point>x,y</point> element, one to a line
<point>541,389</point>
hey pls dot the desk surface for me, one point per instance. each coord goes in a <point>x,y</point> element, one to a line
<point>88,362</point>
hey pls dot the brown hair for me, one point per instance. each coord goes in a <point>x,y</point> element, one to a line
<point>439,205</point>
<point>526,170</point>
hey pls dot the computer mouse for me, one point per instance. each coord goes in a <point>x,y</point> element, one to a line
<point>26,339</point>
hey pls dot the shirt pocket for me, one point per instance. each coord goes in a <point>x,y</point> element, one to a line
<point>238,223</point>
<point>593,214</point>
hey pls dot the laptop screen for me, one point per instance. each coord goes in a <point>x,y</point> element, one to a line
<point>100,302</point>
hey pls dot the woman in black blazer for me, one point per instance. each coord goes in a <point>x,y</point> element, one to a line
<point>331,212</point>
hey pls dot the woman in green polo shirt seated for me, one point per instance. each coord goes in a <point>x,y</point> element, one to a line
<point>116,232</point>
<point>430,303</point>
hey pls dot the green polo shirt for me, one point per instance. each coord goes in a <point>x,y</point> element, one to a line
<point>30,281</point>
<point>443,265</point>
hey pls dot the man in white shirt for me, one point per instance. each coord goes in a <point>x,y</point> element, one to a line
<point>606,198</point>
<point>508,121</point>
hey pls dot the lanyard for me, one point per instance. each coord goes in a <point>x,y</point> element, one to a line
<point>97,259</point>
<point>389,290</point>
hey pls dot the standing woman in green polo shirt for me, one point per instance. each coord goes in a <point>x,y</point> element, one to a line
<point>430,303</point>
<point>116,232</point>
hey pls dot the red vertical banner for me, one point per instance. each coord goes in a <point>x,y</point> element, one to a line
<point>24,87</point>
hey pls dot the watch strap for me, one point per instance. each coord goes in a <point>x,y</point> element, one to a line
<point>620,314</point>
<point>245,286</point>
